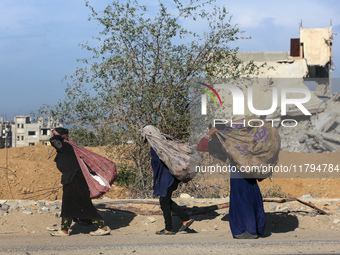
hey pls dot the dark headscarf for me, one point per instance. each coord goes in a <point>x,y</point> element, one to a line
<point>62,131</point>
<point>215,146</point>
<point>216,149</point>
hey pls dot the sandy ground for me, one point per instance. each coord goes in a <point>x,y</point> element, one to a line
<point>285,217</point>
<point>30,173</point>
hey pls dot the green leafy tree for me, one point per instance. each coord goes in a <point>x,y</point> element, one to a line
<point>141,71</point>
<point>86,137</point>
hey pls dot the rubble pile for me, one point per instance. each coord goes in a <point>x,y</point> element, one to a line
<point>29,206</point>
<point>317,133</point>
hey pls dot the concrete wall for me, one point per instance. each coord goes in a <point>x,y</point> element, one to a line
<point>263,56</point>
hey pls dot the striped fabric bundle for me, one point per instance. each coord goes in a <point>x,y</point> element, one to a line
<point>99,172</point>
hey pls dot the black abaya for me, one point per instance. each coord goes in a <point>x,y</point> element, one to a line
<point>76,201</point>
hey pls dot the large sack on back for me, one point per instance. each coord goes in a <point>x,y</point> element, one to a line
<point>254,148</point>
<point>180,158</point>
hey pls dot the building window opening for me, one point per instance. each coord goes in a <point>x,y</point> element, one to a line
<point>31,133</point>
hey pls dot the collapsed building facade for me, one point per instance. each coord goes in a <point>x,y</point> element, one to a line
<point>307,66</point>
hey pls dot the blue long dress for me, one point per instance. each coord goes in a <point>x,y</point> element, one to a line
<point>246,212</point>
<point>162,178</point>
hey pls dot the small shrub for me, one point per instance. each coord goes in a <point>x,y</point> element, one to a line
<point>126,176</point>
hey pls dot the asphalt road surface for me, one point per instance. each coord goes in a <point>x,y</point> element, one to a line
<point>183,243</point>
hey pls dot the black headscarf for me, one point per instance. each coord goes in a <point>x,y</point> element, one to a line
<point>216,149</point>
<point>215,146</point>
<point>62,131</point>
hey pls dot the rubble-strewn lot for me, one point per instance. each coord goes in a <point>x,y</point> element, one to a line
<point>34,218</point>
<point>317,133</point>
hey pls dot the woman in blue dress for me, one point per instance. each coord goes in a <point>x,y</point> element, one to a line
<point>163,186</point>
<point>246,212</point>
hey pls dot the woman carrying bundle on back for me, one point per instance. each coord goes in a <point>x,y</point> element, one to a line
<point>165,183</point>
<point>76,198</point>
<point>244,147</point>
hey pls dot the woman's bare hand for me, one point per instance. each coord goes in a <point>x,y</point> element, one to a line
<point>212,131</point>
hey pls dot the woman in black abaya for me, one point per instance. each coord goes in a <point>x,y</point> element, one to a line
<point>76,201</point>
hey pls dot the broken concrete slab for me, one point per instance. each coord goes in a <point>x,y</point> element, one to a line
<point>329,146</point>
<point>334,138</point>
<point>323,121</point>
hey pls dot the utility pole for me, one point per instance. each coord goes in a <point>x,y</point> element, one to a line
<point>6,135</point>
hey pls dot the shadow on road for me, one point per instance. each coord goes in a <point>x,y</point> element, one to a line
<point>277,222</point>
<point>280,222</point>
<point>115,219</point>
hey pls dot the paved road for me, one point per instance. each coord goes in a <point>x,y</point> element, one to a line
<point>201,243</point>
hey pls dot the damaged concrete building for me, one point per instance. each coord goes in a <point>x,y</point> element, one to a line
<point>308,65</point>
<point>23,132</point>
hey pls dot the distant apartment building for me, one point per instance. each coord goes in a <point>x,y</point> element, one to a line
<point>22,132</point>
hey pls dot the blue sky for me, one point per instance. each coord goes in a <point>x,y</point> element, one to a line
<point>39,40</point>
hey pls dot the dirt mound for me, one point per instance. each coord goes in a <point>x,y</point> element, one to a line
<point>317,184</point>
<point>31,173</point>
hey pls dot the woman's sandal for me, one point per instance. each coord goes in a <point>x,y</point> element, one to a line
<point>186,226</point>
<point>165,232</point>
